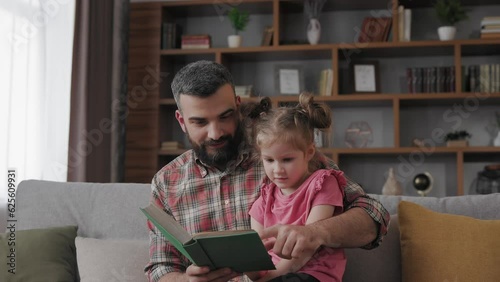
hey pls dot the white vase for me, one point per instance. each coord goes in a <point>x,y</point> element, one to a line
<point>496,142</point>
<point>234,41</point>
<point>313,31</point>
<point>447,33</point>
<point>392,185</point>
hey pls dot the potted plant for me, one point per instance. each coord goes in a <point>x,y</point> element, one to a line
<point>312,9</point>
<point>457,138</point>
<point>239,20</point>
<point>449,13</point>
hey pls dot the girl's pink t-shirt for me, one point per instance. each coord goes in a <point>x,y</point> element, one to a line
<point>323,187</point>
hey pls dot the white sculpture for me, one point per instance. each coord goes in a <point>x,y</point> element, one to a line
<point>392,186</point>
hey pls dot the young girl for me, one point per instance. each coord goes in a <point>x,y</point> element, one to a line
<point>296,189</point>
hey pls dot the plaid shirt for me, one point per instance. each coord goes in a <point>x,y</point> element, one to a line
<point>202,198</point>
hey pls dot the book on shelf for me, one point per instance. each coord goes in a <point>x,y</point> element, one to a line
<point>170,36</point>
<point>240,250</point>
<point>267,36</point>
<point>431,79</point>
<point>171,145</point>
<point>325,83</point>
<point>375,29</point>
<point>401,22</point>
<point>490,35</point>
<point>483,78</point>
<point>407,31</point>
<point>201,41</point>
<point>404,23</point>
<point>244,90</point>
<point>490,28</point>
<point>486,21</point>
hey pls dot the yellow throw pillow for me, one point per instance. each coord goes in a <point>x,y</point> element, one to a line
<point>447,248</point>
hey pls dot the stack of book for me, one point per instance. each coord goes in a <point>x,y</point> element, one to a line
<point>244,90</point>
<point>325,83</point>
<point>171,145</point>
<point>375,29</point>
<point>404,23</point>
<point>201,41</point>
<point>170,36</point>
<point>490,27</point>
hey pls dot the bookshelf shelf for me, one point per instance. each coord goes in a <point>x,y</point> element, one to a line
<point>395,115</point>
<point>412,48</point>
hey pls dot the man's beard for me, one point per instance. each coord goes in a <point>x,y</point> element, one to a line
<point>221,156</point>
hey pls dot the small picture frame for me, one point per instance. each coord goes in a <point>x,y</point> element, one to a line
<point>365,77</point>
<point>289,79</point>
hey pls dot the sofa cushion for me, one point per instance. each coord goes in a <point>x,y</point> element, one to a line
<point>383,262</point>
<point>111,260</point>
<point>40,255</point>
<point>446,247</point>
<point>100,210</point>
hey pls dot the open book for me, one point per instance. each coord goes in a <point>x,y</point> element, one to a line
<point>241,250</point>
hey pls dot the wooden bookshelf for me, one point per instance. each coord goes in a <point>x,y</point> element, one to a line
<point>151,117</point>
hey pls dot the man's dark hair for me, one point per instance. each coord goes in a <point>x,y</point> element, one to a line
<point>201,79</point>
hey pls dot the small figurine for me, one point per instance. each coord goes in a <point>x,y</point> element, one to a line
<point>392,185</point>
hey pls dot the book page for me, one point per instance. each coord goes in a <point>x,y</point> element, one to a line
<point>168,223</point>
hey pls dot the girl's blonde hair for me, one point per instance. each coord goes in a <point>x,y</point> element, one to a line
<point>290,125</point>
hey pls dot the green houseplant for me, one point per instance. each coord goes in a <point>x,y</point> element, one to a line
<point>239,20</point>
<point>449,13</point>
<point>457,138</point>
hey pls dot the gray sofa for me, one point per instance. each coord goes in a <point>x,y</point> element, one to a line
<point>112,234</point>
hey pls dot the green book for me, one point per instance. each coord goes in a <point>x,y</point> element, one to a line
<point>240,250</point>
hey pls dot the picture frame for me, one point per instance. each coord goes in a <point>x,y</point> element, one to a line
<point>289,79</point>
<point>364,76</point>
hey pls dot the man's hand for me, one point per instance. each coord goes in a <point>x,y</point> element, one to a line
<point>292,241</point>
<point>203,274</point>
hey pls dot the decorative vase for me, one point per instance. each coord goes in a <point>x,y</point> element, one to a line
<point>447,33</point>
<point>392,186</point>
<point>496,142</point>
<point>234,41</point>
<point>313,31</point>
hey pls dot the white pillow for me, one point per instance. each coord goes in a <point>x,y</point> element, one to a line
<point>111,260</point>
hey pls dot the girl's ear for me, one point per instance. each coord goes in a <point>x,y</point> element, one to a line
<point>310,152</point>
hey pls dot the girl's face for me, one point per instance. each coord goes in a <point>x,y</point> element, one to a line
<point>286,165</point>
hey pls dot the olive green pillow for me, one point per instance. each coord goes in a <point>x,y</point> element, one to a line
<point>445,247</point>
<point>40,255</point>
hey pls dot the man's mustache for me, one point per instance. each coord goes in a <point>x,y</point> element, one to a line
<point>218,141</point>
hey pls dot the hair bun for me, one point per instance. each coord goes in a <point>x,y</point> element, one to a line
<point>263,107</point>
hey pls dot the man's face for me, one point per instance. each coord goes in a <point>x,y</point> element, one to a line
<point>212,125</point>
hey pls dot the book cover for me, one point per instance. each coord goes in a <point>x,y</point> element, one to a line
<point>267,36</point>
<point>401,21</point>
<point>240,250</point>
<point>407,25</point>
<point>409,80</point>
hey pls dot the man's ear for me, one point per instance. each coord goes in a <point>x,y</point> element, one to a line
<point>238,101</point>
<point>180,119</point>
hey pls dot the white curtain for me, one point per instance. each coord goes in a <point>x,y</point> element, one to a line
<point>36,43</point>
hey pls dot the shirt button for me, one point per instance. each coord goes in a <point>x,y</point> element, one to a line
<point>226,202</point>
